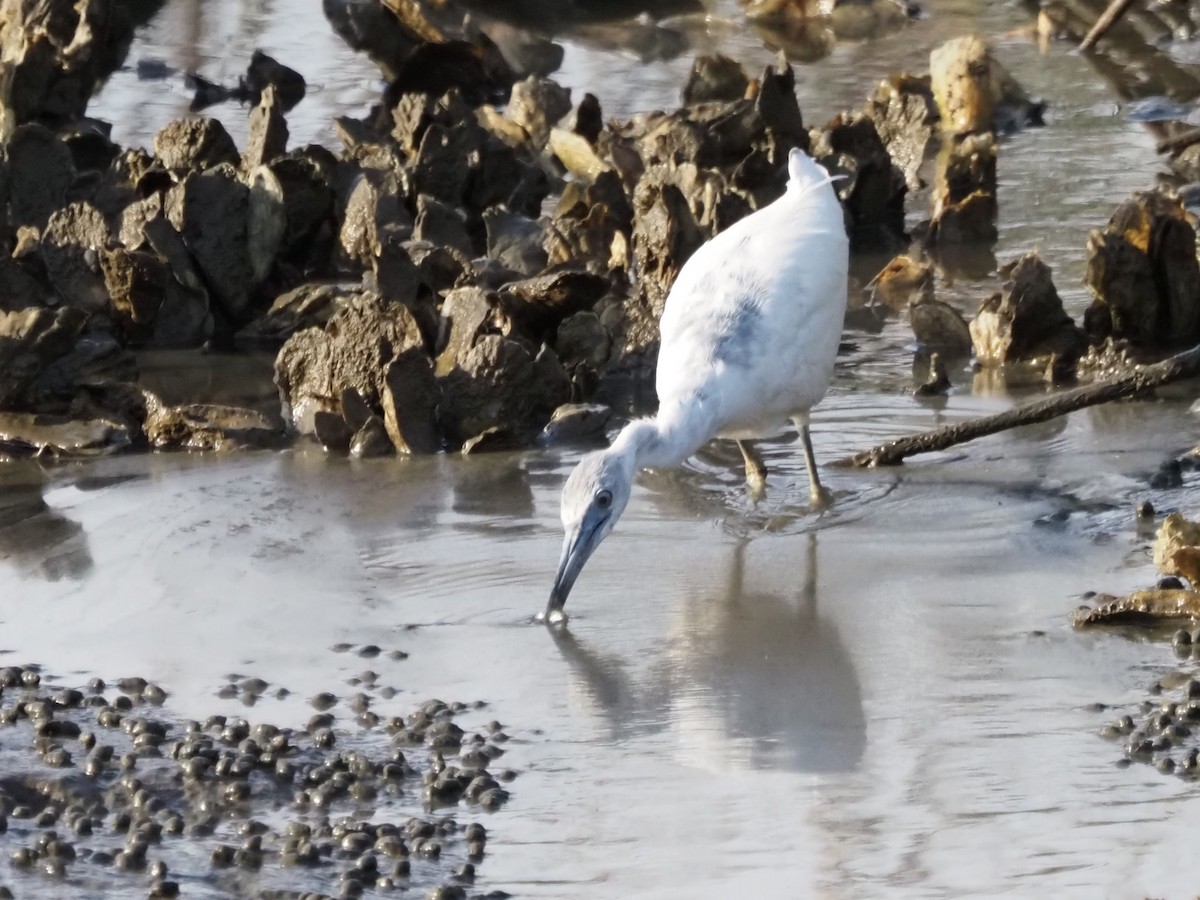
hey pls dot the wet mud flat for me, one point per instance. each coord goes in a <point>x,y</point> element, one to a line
<point>106,791</point>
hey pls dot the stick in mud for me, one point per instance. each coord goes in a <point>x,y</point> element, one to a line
<point>1107,19</point>
<point>1182,365</point>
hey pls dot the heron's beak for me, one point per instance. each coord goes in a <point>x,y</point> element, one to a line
<point>577,547</point>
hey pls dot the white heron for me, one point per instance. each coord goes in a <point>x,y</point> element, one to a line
<point>749,333</point>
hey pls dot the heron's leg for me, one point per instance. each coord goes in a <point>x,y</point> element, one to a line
<point>819,497</point>
<point>756,471</point>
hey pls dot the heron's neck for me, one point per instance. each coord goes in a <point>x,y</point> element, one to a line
<point>663,440</point>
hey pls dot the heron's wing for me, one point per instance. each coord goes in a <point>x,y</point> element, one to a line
<point>753,319</point>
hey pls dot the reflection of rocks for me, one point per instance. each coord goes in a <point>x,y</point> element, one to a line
<point>34,538</point>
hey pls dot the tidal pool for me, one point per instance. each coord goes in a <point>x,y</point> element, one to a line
<point>885,700</point>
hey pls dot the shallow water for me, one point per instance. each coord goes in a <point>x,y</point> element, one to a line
<point>886,700</point>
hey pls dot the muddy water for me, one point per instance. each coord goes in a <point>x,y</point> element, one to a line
<point>882,701</point>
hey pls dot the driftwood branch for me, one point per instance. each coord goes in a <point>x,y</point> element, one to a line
<point>1182,365</point>
<point>1107,19</point>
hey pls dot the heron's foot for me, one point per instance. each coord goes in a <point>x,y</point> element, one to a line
<point>756,487</point>
<point>819,498</point>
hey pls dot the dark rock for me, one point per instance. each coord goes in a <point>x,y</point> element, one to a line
<point>874,192</point>
<point>136,282</point>
<point>442,224</point>
<point>200,426</point>
<point>373,210</point>
<point>587,119</point>
<point>70,250</point>
<point>29,434</point>
<point>514,240</point>
<point>194,142</point>
<point>210,211</point>
<point>266,222</point>
<point>469,314</point>
<point>371,440</point>
<point>397,277</point>
<point>441,268</point>
<point>491,440</point>
<point>266,72</point>
<point>964,194</point>
<point>582,339</point>
<point>305,177</point>
<point>19,288</point>
<point>46,355</point>
<point>39,173</point>
<point>1027,320</point>
<point>577,423</point>
<point>268,132</point>
<point>307,306</point>
<point>315,366</point>
<point>1143,272</point>
<point>56,56</point>
<point>498,384</point>
<point>332,432</point>
<point>715,77</point>
<point>410,399</point>
<point>537,305</point>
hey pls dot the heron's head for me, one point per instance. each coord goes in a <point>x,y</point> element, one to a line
<point>592,501</point>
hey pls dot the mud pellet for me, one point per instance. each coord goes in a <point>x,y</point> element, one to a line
<point>369,651</point>
<point>164,889</point>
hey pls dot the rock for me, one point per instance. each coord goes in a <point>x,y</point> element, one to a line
<point>202,426</point>
<point>964,194</point>
<point>715,77</point>
<point>1153,607</point>
<point>491,440</point>
<point>268,132</point>
<point>266,222</point>
<point>442,224</point>
<point>514,240</point>
<point>30,434</point>
<point>373,210</point>
<point>1177,548</point>
<point>307,306</point>
<point>46,354</point>
<point>939,326</point>
<point>70,251</point>
<point>19,289</point>
<point>583,340</point>
<point>577,423</point>
<point>55,56</point>
<point>905,115</point>
<point>1027,320</point>
<point>371,440</point>
<point>537,104</point>
<point>1143,272</point>
<point>938,381</point>
<point>136,282</point>
<point>468,313</point>
<point>499,384</point>
<point>315,366</point>
<point>576,154</point>
<point>592,225</point>
<point>902,282</point>
<point>331,431</point>
<point>537,305</point>
<point>194,142</point>
<point>587,119</point>
<point>305,177</point>
<point>665,235</point>
<point>974,92</point>
<point>410,400</point>
<point>265,72</point>
<point>875,190</point>
<point>211,211</point>
<point>40,172</point>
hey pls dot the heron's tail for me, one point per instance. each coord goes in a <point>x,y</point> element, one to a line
<point>805,175</point>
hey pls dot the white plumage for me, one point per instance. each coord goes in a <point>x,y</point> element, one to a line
<point>749,333</point>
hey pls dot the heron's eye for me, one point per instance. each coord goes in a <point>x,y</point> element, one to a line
<point>603,499</point>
